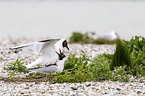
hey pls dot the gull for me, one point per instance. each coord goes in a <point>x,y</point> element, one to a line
<point>107,36</point>
<point>55,67</point>
<point>47,49</point>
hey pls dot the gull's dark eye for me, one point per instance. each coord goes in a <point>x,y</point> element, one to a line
<point>65,44</point>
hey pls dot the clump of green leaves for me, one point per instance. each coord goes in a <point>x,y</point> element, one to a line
<point>132,54</point>
<point>16,66</point>
<point>121,56</point>
<point>78,37</point>
<point>136,48</point>
<point>100,67</point>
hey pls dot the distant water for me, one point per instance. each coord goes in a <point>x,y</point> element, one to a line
<point>59,18</point>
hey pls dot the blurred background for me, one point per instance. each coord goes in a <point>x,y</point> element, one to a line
<point>59,18</point>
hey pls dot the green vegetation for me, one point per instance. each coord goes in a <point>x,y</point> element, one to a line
<point>136,47</point>
<point>78,69</point>
<point>121,56</point>
<point>16,66</point>
<point>132,54</point>
<point>128,60</point>
<point>78,37</point>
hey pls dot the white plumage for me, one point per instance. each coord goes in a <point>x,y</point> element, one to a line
<point>107,36</point>
<point>53,68</point>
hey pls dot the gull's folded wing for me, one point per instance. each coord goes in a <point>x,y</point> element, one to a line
<point>52,69</point>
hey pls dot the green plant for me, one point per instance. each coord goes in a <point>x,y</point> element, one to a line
<point>16,66</point>
<point>78,37</point>
<point>119,74</point>
<point>136,48</point>
<point>121,56</point>
<point>136,43</point>
<point>101,71</point>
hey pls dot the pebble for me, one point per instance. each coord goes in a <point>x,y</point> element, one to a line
<point>135,87</point>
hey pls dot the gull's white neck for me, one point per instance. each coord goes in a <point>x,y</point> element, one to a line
<point>60,65</point>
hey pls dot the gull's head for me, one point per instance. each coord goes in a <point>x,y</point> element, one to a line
<point>65,44</point>
<point>61,55</point>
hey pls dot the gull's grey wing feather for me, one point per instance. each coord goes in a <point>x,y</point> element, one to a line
<point>47,53</point>
<point>37,47</point>
<point>49,69</point>
<point>25,45</point>
<point>48,47</point>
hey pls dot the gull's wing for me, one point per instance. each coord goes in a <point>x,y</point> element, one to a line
<point>47,53</point>
<point>52,69</point>
<point>48,47</point>
<point>37,45</point>
<point>25,45</point>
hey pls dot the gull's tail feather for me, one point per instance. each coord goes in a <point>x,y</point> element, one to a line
<point>21,46</point>
<point>35,63</point>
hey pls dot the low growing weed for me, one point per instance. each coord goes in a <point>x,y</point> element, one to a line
<point>136,48</point>
<point>101,70</point>
<point>16,66</point>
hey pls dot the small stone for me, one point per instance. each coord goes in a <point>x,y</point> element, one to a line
<point>74,88</point>
<point>88,85</point>
<point>22,93</point>
<point>27,88</point>
<point>42,92</point>
<point>118,89</point>
<point>138,92</point>
<point>37,83</point>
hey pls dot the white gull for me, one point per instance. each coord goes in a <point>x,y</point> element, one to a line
<point>56,67</point>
